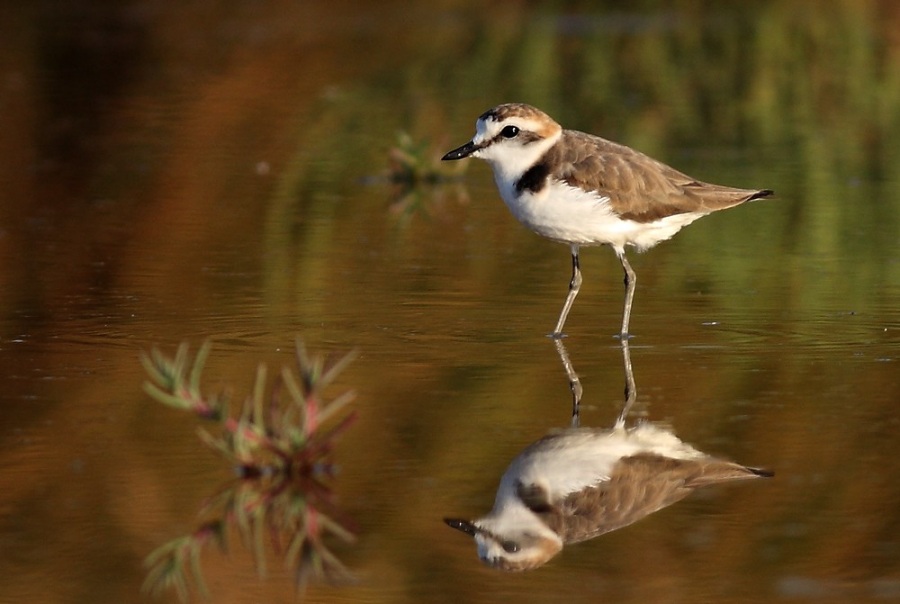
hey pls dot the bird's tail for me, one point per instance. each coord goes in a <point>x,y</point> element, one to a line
<point>762,472</point>
<point>761,194</point>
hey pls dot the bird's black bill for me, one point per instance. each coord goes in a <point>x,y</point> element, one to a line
<point>465,151</point>
<point>462,525</point>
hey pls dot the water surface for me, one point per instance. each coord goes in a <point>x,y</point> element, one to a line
<point>211,172</point>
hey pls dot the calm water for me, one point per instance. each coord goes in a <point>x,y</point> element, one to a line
<point>219,172</point>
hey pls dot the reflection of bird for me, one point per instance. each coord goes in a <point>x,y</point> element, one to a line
<point>580,189</point>
<point>580,483</point>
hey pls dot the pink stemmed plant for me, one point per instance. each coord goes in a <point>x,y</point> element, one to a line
<point>280,444</point>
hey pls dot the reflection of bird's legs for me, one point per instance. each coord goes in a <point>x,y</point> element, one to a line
<point>574,381</point>
<point>630,386</point>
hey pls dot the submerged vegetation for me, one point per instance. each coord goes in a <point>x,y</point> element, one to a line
<point>281,453</point>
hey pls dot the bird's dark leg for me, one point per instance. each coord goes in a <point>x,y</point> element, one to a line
<point>630,280</point>
<point>574,286</point>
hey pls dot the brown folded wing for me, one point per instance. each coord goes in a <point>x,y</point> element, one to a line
<point>639,187</point>
<point>640,485</point>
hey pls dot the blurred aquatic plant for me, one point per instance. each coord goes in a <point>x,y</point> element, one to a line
<point>168,565</point>
<point>416,171</point>
<point>173,385</point>
<point>282,455</point>
<point>412,163</point>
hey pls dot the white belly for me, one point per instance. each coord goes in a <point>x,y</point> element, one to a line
<point>574,216</point>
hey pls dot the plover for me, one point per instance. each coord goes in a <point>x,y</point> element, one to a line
<point>581,189</point>
<point>581,483</point>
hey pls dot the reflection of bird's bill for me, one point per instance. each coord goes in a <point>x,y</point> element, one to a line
<point>462,525</point>
<point>580,483</point>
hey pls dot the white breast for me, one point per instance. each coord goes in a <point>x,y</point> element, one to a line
<point>579,458</point>
<point>572,215</point>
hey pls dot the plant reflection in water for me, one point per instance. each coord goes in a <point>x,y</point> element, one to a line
<point>281,453</point>
<point>579,483</point>
<point>420,181</point>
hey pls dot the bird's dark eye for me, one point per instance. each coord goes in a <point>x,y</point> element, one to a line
<point>509,132</point>
<point>510,547</point>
